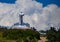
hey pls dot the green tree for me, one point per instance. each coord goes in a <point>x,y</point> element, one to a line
<point>51,34</point>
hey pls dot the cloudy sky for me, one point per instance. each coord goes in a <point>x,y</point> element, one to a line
<point>40,14</point>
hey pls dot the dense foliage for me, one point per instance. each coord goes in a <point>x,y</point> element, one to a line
<point>20,35</point>
<point>53,35</point>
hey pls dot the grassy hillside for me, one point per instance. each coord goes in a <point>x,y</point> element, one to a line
<point>18,35</point>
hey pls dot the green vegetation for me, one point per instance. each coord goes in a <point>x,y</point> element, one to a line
<point>18,35</point>
<point>53,35</point>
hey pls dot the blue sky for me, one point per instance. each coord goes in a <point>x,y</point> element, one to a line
<point>45,2</point>
<point>8,1</point>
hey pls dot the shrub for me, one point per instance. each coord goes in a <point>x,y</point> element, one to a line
<point>18,34</point>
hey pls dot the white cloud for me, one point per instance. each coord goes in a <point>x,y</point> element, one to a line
<point>35,14</point>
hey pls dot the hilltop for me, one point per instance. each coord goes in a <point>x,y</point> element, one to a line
<point>18,35</point>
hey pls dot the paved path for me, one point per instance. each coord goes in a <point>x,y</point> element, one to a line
<point>43,39</point>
